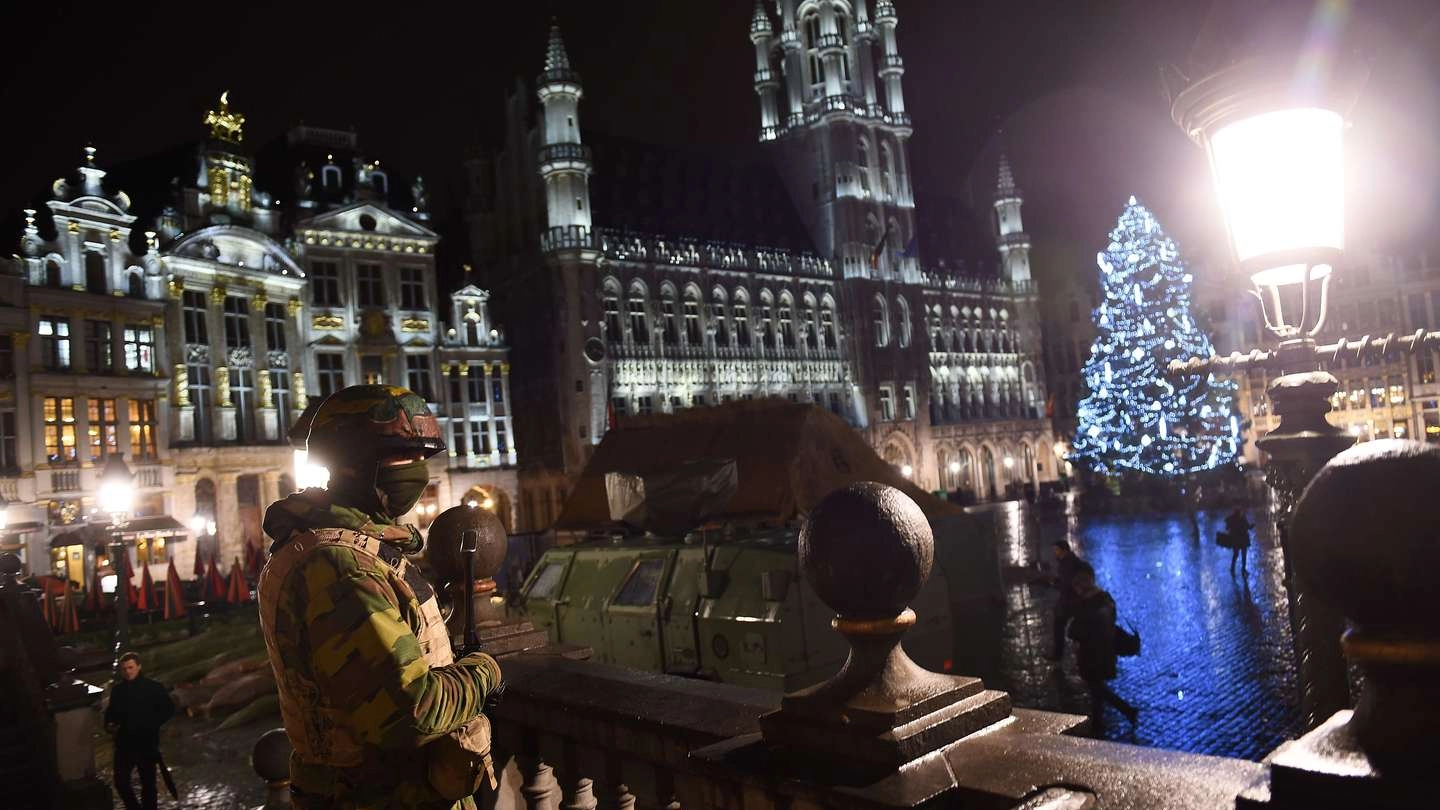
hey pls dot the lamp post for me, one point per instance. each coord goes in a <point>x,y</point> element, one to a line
<point>117,499</point>
<point>204,527</point>
<point>1276,153</point>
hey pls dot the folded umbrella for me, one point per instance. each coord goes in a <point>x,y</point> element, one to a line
<point>174,593</point>
<point>93,602</point>
<point>70,611</point>
<point>237,590</point>
<point>147,591</point>
<point>214,583</point>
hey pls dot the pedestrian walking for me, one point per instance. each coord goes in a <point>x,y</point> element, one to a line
<point>138,708</point>
<point>1237,528</point>
<point>1092,628</point>
<point>1068,564</point>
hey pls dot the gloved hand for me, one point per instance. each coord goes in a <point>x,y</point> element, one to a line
<point>492,675</point>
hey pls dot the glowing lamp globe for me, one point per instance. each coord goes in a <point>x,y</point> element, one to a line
<point>1277,158</point>
<point>117,488</point>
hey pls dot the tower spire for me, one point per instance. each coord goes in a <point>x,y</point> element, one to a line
<point>1013,242</point>
<point>1005,182</point>
<point>762,34</point>
<point>556,59</point>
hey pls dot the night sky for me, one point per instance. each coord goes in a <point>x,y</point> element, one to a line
<point>1073,84</point>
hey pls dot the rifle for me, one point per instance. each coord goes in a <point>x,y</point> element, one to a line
<point>469,544</point>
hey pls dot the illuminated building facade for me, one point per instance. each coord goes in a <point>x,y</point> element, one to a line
<point>191,349</point>
<point>640,279</point>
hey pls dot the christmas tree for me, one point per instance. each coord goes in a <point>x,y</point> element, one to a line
<point>1135,418</point>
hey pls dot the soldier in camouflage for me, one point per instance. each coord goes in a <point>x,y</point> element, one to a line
<point>369,691</point>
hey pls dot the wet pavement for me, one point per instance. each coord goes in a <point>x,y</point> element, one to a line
<point>1215,674</point>
<point>211,768</point>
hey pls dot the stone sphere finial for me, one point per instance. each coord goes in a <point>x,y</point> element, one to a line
<point>448,535</point>
<point>10,566</point>
<point>1367,536</point>
<point>866,549</point>
<point>271,756</point>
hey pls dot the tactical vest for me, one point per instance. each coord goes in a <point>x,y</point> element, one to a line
<point>321,733</point>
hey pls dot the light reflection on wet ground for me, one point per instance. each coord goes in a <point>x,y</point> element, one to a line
<point>1216,673</point>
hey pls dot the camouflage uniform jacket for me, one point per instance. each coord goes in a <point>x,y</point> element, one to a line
<point>350,633</point>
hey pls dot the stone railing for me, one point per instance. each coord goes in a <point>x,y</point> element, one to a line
<point>633,246</point>
<point>9,489</point>
<point>951,282</point>
<point>884,733</point>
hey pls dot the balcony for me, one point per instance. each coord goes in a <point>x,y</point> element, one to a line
<point>570,237</point>
<point>892,63</point>
<point>151,477</point>
<point>560,156</point>
<point>830,42</point>
<point>65,480</point>
<point>764,77</point>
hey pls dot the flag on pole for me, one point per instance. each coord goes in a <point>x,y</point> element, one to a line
<point>174,593</point>
<point>879,247</point>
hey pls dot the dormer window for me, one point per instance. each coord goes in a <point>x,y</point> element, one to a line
<point>379,181</point>
<point>330,178</point>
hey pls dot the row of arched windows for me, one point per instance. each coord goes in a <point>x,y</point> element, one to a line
<point>730,317</point>
<point>988,471</point>
<point>97,278</point>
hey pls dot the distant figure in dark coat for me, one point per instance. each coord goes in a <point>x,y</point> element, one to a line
<point>138,708</point>
<point>1093,630</point>
<point>1238,527</point>
<point>1067,565</point>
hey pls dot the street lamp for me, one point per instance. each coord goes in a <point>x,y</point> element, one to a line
<point>117,499</point>
<point>1276,152</point>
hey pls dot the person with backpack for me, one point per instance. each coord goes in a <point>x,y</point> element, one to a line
<point>1067,564</point>
<point>1092,628</point>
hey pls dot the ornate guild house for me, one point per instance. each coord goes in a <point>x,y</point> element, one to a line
<point>191,349</point>
<point>641,279</point>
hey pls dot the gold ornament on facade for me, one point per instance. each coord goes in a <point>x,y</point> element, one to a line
<point>222,386</point>
<point>464,369</point>
<point>302,400</point>
<point>504,368</point>
<point>115,235</point>
<point>415,325</point>
<point>327,321</point>
<point>260,299</point>
<point>293,306</point>
<point>182,385</point>
<point>219,186</point>
<point>266,388</point>
<point>73,226</point>
<point>243,192</point>
<point>217,294</point>
<point>176,287</point>
<point>225,125</point>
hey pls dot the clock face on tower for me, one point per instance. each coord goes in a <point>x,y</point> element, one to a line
<point>594,350</point>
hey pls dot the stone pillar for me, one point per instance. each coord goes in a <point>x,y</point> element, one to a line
<point>269,489</point>
<point>229,534</point>
<point>223,406</point>
<point>490,423</point>
<point>184,423</point>
<point>1382,753</point>
<point>509,426</point>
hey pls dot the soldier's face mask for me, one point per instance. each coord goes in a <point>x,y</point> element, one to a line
<point>401,485</point>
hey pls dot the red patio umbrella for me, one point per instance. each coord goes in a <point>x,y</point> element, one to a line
<point>47,607</point>
<point>237,591</point>
<point>69,611</point>
<point>214,583</point>
<point>254,560</point>
<point>199,568</point>
<point>147,591</point>
<point>174,593</point>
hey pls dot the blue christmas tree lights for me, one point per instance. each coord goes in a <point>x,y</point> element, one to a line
<point>1134,418</point>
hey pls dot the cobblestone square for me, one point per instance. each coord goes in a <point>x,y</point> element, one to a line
<point>1215,674</point>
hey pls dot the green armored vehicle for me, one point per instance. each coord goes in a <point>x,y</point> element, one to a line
<point>687,562</point>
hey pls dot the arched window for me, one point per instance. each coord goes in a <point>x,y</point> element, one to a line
<point>718,317</point>
<point>135,285</point>
<point>639,323</point>
<point>902,313</point>
<point>887,170</point>
<point>786,335</point>
<point>812,329</point>
<point>812,49</point>
<point>694,330</point>
<point>330,177</point>
<point>611,299</point>
<point>767,319</point>
<point>52,273</point>
<point>827,323</point>
<point>741,313</point>
<point>670,329</point>
<point>881,317</point>
<point>380,182</point>
<point>95,273</point>
<point>862,165</point>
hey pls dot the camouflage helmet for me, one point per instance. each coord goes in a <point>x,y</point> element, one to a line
<point>367,420</point>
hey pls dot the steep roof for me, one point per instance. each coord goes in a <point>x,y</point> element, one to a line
<point>788,456</point>
<point>724,195</point>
